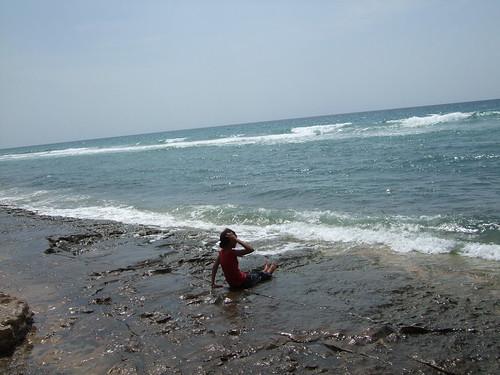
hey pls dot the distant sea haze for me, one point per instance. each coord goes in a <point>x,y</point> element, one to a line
<point>422,179</point>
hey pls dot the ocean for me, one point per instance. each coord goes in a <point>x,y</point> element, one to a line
<point>423,179</point>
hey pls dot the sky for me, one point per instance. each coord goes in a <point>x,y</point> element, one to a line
<point>87,69</point>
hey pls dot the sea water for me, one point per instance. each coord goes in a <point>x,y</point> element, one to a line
<point>423,179</point>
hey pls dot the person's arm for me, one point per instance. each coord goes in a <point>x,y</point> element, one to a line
<point>247,248</point>
<point>215,268</point>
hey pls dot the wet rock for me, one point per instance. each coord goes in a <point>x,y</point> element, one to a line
<point>74,243</point>
<point>148,232</point>
<point>288,367</point>
<point>137,266</point>
<point>132,348</point>
<point>122,369</point>
<point>302,338</point>
<point>80,310</point>
<point>416,330</point>
<point>380,332</point>
<point>15,322</point>
<point>122,310</point>
<point>432,364</point>
<point>156,317</point>
<point>158,271</point>
<point>371,335</point>
<point>198,316</point>
<point>68,323</point>
<point>392,338</point>
<point>193,298</point>
<point>311,367</point>
<point>198,331</point>
<point>214,300</point>
<point>163,319</point>
<point>332,345</point>
<point>413,330</point>
<point>101,301</point>
<point>276,343</point>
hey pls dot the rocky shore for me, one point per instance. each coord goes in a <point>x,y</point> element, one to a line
<point>111,298</point>
<point>15,323</point>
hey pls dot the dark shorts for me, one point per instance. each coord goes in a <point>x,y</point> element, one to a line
<point>255,277</point>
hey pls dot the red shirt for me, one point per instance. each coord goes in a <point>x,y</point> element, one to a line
<point>229,262</point>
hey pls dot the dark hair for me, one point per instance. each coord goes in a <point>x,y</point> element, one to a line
<point>223,239</point>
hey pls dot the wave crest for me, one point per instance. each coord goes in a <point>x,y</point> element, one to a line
<point>319,129</point>
<point>433,119</point>
<point>399,127</point>
<point>296,135</point>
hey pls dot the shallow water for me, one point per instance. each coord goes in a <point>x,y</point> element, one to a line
<point>102,307</point>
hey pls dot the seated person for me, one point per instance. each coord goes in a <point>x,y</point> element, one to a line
<point>228,260</point>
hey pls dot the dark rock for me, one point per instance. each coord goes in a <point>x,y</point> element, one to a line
<point>156,317</point>
<point>15,322</point>
<point>302,338</point>
<point>68,323</point>
<point>122,369</point>
<point>149,232</point>
<point>414,330</point>
<point>372,335</point>
<point>336,348</point>
<point>163,319</point>
<point>159,271</point>
<point>101,301</point>
<point>80,310</point>
<point>381,332</point>
<point>74,243</point>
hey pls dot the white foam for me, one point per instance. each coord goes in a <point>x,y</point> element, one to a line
<point>488,113</point>
<point>400,127</point>
<point>432,119</point>
<point>298,229</point>
<point>484,251</point>
<point>398,240</point>
<point>297,135</point>
<point>319,129</point>
<point>172,140</point>
<point>90,151</point>
<point>307,227</point>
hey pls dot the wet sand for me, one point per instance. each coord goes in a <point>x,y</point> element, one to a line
<point>111,298</point>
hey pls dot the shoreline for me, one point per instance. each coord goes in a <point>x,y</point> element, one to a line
<point>109,300</point>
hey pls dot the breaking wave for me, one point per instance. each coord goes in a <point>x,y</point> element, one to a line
<point>276,231</point>
<point>434,119</point>
<point>296,135</point>
<point>399,127</point>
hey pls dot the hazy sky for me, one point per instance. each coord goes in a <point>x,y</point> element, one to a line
<point>86,69</point>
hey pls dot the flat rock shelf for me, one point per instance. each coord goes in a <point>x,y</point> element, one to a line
<point>111,298</point>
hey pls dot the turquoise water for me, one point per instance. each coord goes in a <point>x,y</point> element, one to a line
<point>423,179</point>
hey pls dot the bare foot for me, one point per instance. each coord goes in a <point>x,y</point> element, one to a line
<point>272,267</point>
